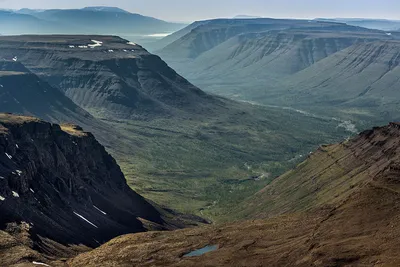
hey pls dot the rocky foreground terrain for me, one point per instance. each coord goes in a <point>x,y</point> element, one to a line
<point>344,211</point>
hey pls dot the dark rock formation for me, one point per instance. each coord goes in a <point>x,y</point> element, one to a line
<point>63,184</point>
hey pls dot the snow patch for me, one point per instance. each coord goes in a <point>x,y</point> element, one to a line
<point>86,220</point>
<point>131,43</point>
<point>15,59</point>
<point>1,86</point>
<point>16,145</point>
<point>19,172</point>
<point>389,33</point>
<point>96,44</point>
<point>71,46</point>
<point>32,190</point>
<point>8,156</point>
<point>15,194</point>
<point>2,198</point>
<point>111,51</point>
<point>40,263</point>
<point>99,210</point>
<point>83,46</point>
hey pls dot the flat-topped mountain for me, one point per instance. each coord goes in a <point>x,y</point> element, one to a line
<point>324,67</point>
<point>106,75</point>
<point>205,35</point>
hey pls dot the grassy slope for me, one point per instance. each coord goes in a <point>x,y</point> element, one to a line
<point>328,176</point>
<point>204,166</point>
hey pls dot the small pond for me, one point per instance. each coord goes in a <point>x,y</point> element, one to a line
<point>201,251</point>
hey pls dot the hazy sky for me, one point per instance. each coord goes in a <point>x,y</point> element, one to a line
<point>189,10</point>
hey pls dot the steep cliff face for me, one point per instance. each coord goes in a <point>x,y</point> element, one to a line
<point>64,186</point>
<point>265,55</point>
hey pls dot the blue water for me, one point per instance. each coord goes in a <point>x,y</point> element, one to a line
<point>201,251</point>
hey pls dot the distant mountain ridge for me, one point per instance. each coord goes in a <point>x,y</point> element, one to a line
<point>325,67</point>
<point>90,20</point>
<point>379,24</point>
<point>105,8</point>
<point>201,36</point>
<point>246,17</point>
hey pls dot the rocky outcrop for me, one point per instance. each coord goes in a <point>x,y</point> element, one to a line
<point>63,185</point>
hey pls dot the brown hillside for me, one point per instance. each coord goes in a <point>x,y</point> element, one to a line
<point>347,203</point>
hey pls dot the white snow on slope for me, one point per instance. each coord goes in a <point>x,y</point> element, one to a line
<point>15,194</point>
<point>40,263</point>
<point>131,43</point>
<point>86,220</point>
<point>2,198</point>
<point>99,210</point>
<point>96,44</point>
<point>8,156</point>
